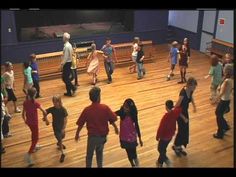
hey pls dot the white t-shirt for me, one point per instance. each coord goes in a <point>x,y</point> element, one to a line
<point>229,84</point>
<point>135,50</point>
<point>9,79</point>
<point>67,52</point>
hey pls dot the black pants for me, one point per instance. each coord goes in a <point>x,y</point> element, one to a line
<point>75,75</point>
<point>5,126</point>
<point>132,154</point>
<point>182,137</point>
<point>36,86</point>
<point>66,77</point>
<point>221,109</point>
<point>162,145</point>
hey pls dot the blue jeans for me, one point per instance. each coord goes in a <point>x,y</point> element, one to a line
<point>141,70</point>
<point>109,67</point>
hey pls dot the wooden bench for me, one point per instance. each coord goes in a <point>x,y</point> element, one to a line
<point>220,48</point>
<point>49,63</point>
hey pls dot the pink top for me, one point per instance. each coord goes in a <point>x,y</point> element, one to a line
<point>127,130</point>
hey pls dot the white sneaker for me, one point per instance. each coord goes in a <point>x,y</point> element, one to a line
<point>37,147</point>
<point>17,110</point>
<point>29,160</point>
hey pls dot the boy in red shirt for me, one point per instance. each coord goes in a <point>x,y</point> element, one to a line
<point>166,131</point>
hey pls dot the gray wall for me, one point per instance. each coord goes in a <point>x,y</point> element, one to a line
<point>226,32</point>
<point>184,19</point>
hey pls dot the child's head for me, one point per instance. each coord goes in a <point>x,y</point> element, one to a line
<point>26,64</point>
<point>93,47</point>
<point>174,44</point>
<point>108,40</point>
<point>169,105</point>
<point>66,37</point>
<point>33,57</point>
<point>228,71</point>
<point>56,99</point>
<point>228,58</point>
<point>31,93</point>
<point>186,41</point>
<point>129,106</point>
<point>136,40</point>
<point>8,66</point>
<point>214,60</point>
<point>191,83</point>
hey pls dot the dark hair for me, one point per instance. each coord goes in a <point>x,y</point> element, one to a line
<point>132,108</point>
<point>169,104</point>
<point>32,56</point>
<point>94,94</point>
<point>191,81</point>
<point>214,60</point>
<point>26,64</point>
<point>31,92</point>
<point>108,39</point>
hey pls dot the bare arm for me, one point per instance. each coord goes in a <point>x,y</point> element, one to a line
<point>115,128</point>
<point>178,103</point>
<point>184,118</point>
<point>44,115</point>
<point>23,115</point>
<point>194,105</point>
<point>78,132</point>
<point>222,90</point>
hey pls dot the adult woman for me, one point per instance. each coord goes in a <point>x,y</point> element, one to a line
<point>185,97</point>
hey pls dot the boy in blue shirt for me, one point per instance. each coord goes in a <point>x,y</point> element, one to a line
<point>35,74</point>
<point>173,56</point>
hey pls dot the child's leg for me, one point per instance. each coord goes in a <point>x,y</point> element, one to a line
<point>213,91</point>
<point>130,157</point>
<point>184,74</point>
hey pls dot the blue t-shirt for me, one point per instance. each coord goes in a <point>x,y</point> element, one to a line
<point>174,55</point>
<point>27,73</point>
<point>108,50</point>
<point>34,67</point>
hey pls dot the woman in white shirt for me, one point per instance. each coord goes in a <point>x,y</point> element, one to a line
<point>224,103</point>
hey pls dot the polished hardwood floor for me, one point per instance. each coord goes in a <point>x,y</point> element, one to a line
<point>150,95</point>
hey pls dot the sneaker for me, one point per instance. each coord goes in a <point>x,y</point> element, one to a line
<point>67,94</point>
<point>29,160</point>
<point>180,82</point>
<point>217,136</point>
<point>136,162</point>
<point>37,147</point>
<point>168,163</point>
<point>139,78</point>
<point>3,150</point>
<point>17,110</point>
<point>108,82</point>
<point>183,152</point>
<point>7,135</point>
<point>159,165</point>
<point>62,158</point>
<point>177,151</point>
<point>168,78</point>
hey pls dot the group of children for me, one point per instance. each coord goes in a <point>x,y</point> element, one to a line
<point>129,127</point>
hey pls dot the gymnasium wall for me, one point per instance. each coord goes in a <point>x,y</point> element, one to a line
<point>225,32</point>
<point>148,25</point>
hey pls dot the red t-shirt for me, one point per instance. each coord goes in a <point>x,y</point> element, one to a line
<point>31,111</point>
<point>167,125</point>
<point>96,116</point>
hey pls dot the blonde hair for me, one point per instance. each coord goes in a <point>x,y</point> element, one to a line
<point>93,47</point>
<point>66,35</point>
<point>57,98</point>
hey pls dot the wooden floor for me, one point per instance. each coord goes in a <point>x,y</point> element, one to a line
<point>150,95</point>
